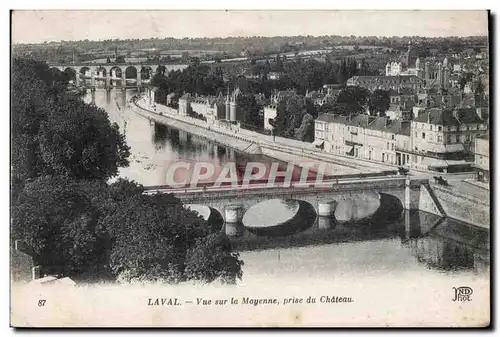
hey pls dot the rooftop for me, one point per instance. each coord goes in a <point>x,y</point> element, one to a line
<point>449,116</point>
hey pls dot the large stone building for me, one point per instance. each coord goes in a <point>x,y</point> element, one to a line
<point>438,139</point>
<point>415,74</point>
<point>212,108</point>
<point>372,83</point>
<point>443,138</point>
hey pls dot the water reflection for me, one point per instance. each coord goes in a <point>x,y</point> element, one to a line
<point>436,243</point>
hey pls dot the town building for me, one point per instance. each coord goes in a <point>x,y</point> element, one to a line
<point>482,158</point>
<point>212,108</point>
<point>437,140</point>
<point>443,139</point>
<point>363,136</point>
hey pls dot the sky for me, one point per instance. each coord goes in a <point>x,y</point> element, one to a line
<point>46,26</point>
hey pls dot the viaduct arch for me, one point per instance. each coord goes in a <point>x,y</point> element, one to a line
<point>114,74</point>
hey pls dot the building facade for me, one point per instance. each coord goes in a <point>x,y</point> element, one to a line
<point>482,158</point>
<point>439,140</point>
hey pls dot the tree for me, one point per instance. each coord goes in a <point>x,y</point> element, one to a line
<point>379,102</point>
<point>56,133</point>
<point>306,130</point>
<point>351,100</point>
<point>60,221</point>
<point>250,110</point>
<point>120,59</point>
<point>156,239</point>
<point>290,114</point>
<point>204,260</point>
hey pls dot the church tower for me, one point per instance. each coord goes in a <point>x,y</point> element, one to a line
<point>446,74</point>
<point>411,56</point>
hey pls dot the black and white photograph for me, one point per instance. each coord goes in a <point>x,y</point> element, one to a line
<point>250,168</point>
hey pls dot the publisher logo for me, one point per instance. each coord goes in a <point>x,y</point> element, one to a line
<point>462,294</point>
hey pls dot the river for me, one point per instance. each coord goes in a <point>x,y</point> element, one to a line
<point>417,245</point>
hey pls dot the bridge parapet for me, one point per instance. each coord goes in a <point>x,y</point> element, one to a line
<point>194,195</point>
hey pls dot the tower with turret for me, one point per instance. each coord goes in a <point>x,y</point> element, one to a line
<point>228,104</point>
<point>233,105</point>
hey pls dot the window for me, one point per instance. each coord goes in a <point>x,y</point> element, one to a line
<point>387,146</point>
<point>431,127</point>
<point>440,128</point>
<point>416,134</point>
<point>393,146</point>
<point>392,137</point>
<point>423,135</point>
<point>467,138</point>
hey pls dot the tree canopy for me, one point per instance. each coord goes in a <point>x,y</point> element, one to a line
<point>78,223</point>
<point>379,102</point>
<point>55,133</point>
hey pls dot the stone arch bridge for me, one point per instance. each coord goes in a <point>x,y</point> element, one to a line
<point>113,74</point>
<point>233,203</point>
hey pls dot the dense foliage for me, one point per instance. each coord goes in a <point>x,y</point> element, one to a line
<point>79,224</point>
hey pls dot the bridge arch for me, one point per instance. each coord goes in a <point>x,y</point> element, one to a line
<point>85,71</point>
<point>131,72</point>
<point>146,73</point>
<point>116,71</point>
<point>101,71</point>
<point>391,208</point>
<point>70,74</point>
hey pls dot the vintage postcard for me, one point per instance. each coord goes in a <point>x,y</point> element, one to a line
<point>250,169</point>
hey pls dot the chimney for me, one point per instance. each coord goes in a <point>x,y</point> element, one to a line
<point>36,272</point>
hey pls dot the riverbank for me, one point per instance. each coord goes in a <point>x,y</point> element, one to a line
<point>250,142</point>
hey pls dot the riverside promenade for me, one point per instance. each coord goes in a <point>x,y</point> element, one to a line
<point>250,142</point>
